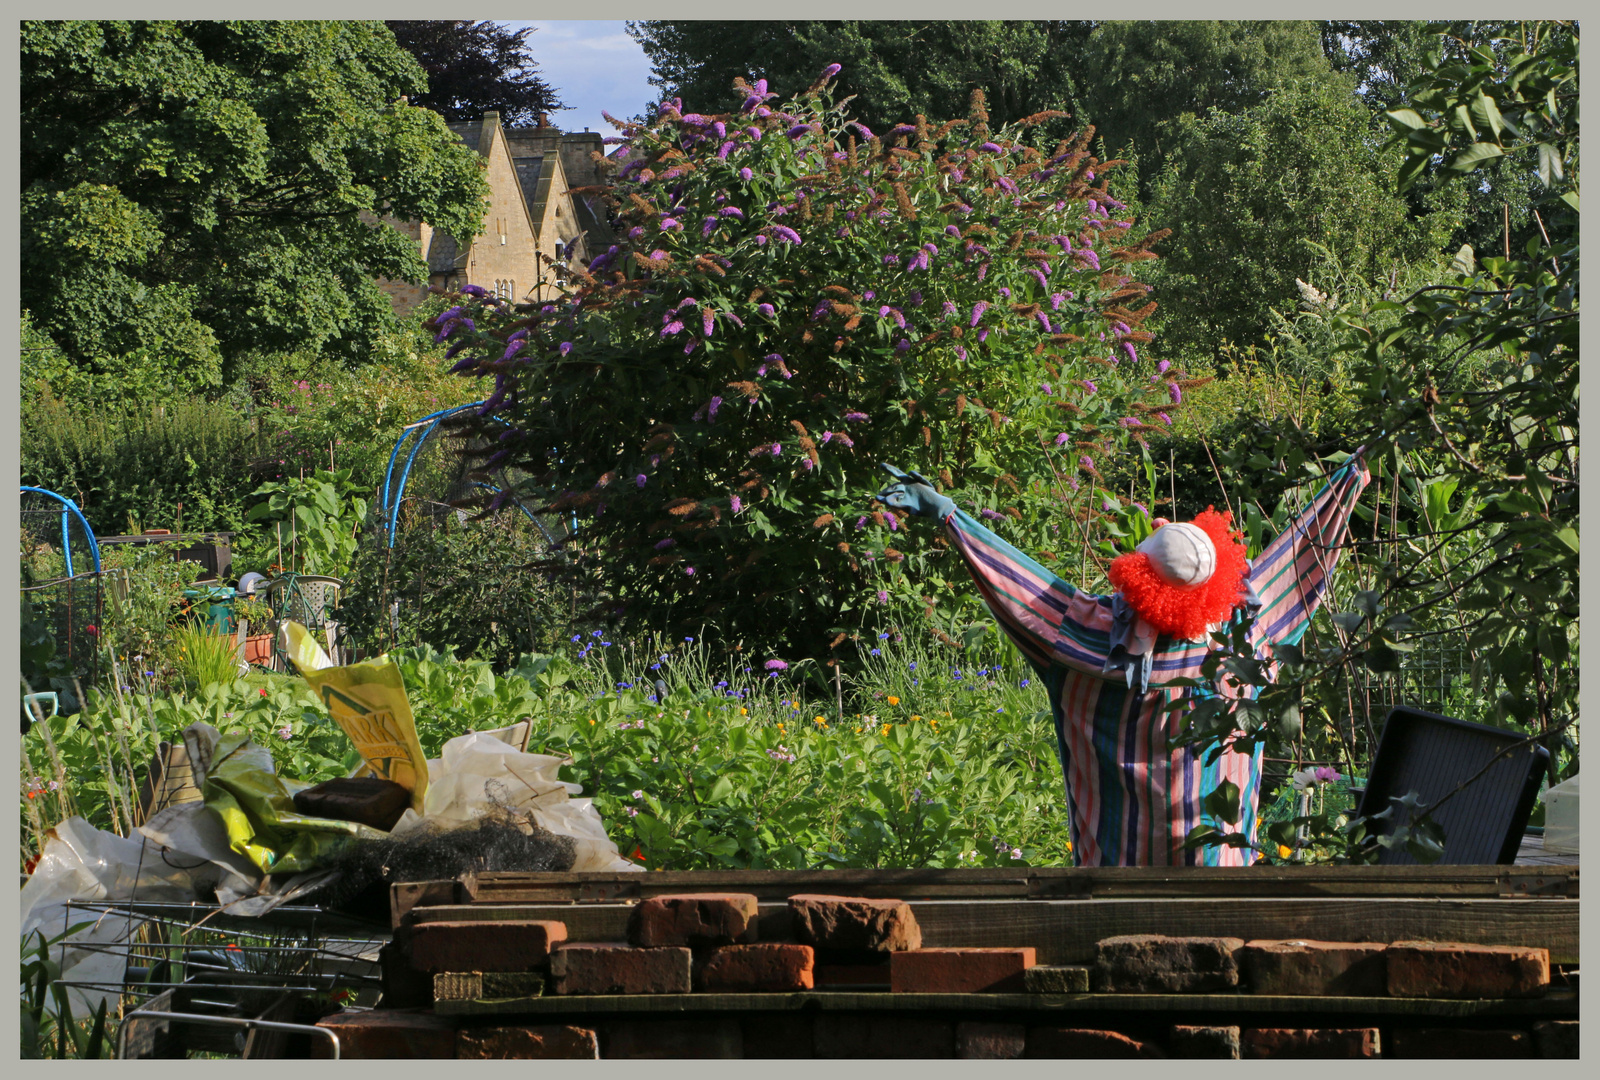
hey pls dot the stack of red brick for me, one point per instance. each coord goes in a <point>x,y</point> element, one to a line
<point>707,943</point>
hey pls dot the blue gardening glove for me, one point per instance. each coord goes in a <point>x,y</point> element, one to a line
<point>913,492</point>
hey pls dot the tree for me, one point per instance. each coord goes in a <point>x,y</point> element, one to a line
<point>792,304</point>
<point>473,67</point>
<point>194,189</point>
<point>895,68</point>
<point>1495,212</point>
<point>1137,79</point>
<point>1256,197</point>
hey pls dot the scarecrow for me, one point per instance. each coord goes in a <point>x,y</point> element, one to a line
<point>1108,662</point>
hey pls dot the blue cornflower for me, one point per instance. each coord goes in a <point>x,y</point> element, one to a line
<point>875,652</point>
<point>882,637</point>
<point>595,634</point>
<point>654,667</point>
<point>577,638</point>
<point>1024,683</point>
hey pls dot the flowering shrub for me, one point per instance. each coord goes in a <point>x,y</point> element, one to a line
<point>794,299</point>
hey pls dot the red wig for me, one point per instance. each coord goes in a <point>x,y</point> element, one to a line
<point>1186,613</point>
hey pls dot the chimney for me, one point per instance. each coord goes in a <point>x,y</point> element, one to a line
<point>544,120</point>
<point>491,118</point>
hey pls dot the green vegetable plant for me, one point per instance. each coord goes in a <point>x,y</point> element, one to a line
<point>321,518</point>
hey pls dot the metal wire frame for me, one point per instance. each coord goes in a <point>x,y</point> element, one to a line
<point>226,1021</point>
<point>69,510</point>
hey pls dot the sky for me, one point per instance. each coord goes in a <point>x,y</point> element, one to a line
<point>593,66</point>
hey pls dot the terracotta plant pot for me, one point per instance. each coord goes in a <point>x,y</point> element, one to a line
<point>258,649</point>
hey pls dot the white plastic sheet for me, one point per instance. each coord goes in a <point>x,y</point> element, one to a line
<point>475,773</point>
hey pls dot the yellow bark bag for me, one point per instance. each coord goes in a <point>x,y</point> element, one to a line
<point>369,702</point>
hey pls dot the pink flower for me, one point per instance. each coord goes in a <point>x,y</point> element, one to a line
<point>1063,438</point>
<point>1175,393</point>
<point>688,571</point>
<point>776,665</point>
<point>854,417</point>
<point>641,480</point>
<point>735,504</point>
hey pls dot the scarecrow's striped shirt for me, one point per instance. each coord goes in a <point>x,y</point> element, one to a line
<point>1131,799</point>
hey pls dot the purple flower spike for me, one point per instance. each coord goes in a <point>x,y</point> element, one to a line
<point>673,327</point>
<point>1133,355</point>
<point>777,449</point>
<point>1086,462</point>
<point>566,347</point>
<point>786,234</point>
<point>798,130</point>
<point>831,70</point>
<point>767,309</point>
<point>667,224</point>
<point>951,230</point>
<point>705,322</point>
<point>731,211</point>
<point>854,417</point>
<point>993,148</point>
<point>1162,366</point>
<point>1175,393</point>
<point>978,309</point>
<point>1088,384</point>
<point>662,545</point>
<point>776,665</point>
<point>1063,438</point>
<point>641,480</point>
<point>735,504</point>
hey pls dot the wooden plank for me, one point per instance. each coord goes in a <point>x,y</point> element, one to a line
<point>1563,1003</point>
<point>1043,882</point>
<point>1065,931</point>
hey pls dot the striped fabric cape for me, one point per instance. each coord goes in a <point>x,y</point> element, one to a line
<point>1132,799</point>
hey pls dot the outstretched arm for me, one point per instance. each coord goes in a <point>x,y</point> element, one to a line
<point>1291,574</point>
<point>1049,621</point>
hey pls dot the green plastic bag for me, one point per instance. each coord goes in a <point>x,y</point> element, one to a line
<point>257,809</point>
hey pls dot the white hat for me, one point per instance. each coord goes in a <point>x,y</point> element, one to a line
<point>1182,554</point>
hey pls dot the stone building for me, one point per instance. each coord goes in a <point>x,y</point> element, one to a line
<point>534,227</point>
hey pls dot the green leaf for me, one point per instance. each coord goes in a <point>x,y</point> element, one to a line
<point>1571,199</point>
<point>1569,537</point>
<point>720,790</point>
<point>1550,169</point>
<point>1473,156</point>
<point>1404,120</point>
<point>1223,803</point>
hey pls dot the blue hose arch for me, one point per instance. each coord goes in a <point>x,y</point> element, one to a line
<point>69,510</point>
<point>393,491</point>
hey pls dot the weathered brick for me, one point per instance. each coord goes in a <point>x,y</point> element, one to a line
<point>484,945</point>
<point>959,971</point>
<point>473,985</point>
<point>857,975</point>
<point>778,1035</point>
<point>1059,1042</point>
<point>1156,964</point>
<point>1194,1041</point>
<point>976,1040</point>
<point>1556,1038</point>
<point>525,1043</point>
<point>1322,968</point>
<point>603,967</point>
<point>720,1038</point>
<point>734,969</point>
<point>695,919</point>
<point>854,922</point>
<point>1469,1042</point>
<point>388,1033</point>
<point>1056,979</point>
<point>1430,969</point>
<point>880,1036</point>
<point>1308,1042</point>
<point>403,985</point>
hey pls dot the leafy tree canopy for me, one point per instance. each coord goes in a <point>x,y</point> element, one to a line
<point>896,68</point>
<point>1258,196</point>
<point>473,67</point>
<point>193,189</point>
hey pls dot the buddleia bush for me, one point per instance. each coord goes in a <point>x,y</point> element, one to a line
<point>794,299</point>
